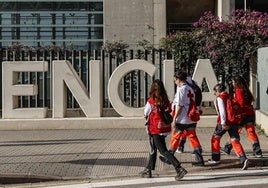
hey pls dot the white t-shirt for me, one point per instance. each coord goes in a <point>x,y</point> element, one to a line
<point>182,99</point>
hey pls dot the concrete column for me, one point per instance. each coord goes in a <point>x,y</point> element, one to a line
<point>160,21</point>
<point>131,21</point>
<point>262,70</point>
<point>224,8</point>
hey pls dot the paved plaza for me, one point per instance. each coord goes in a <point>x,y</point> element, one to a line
<point>95,154</point>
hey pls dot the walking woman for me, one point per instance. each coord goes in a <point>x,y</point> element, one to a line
<point>244,97</point>
<point>158,130</point>
<point>224,126</point>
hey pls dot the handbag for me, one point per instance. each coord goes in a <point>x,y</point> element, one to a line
<point>166,117</point>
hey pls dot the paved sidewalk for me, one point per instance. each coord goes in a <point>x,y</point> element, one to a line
<point>94,154</point>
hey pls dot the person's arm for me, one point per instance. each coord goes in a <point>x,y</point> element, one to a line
<point>147,110</point>
<point>182,99</point>
<point>177,112</point>
<point>175,102</point>
<point>179,105</point>
<point>216,106</point>
<point>222,113</point>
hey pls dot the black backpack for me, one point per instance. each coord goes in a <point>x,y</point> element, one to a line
<point>197,92</point>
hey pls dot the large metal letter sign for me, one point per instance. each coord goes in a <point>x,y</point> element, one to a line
<point>168,74</point>
<point>204,70</point>
<point>113,85</point>
<point>65,76</point>
<point>11,89</point>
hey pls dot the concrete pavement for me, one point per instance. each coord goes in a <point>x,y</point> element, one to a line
<point>90,155</point>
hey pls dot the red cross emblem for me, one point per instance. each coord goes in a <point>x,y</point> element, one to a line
<point>190,95</point>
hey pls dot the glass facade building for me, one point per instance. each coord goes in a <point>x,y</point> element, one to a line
<point>69,24</point>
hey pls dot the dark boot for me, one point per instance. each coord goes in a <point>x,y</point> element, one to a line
<point>199,161</point>
<point>216,159</point>
<point>227,148</point>
<point>257,152</point>
<point>244,162</point>
<point>181,146</point>
<point>146,173</point>
<point>180,173</point>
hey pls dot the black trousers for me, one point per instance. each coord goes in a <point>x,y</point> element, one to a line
<point>158,142</point>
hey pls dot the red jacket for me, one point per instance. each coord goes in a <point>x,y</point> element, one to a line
<point>246,105</point>
<point>156,125</point>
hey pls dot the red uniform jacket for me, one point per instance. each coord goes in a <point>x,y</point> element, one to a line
<point>156,125</point>
<point>246,105</point>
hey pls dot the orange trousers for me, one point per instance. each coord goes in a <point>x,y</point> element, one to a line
<point>215,146</point>
<point>252,136</point>
<point>183,130</point>
<point>234,139</point>
<point>251,133</point>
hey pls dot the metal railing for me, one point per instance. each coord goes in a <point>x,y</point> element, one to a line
<point>134,86</point>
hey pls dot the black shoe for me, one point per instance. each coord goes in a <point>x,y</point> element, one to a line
<point>245,165</point>
<point>164,160</point>
<point>226,150</point>
<point>258,154</point>
<point>180,149</point>
<point>146,173</point>
<point>213,162</point>
<point>199,160</point>
<point>198,163</point>
<point>180,173</point>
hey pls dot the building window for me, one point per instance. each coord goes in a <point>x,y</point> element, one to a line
<point>181,14</point>
<point>77,24</point>
<point>256,5</point>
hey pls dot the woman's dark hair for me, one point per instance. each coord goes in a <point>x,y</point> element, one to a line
<point>159,93</point>
<point>219,87</point>
<point>242,84</point>
<point>182,75</point>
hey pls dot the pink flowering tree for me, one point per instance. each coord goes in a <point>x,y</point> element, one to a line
<point>231,45</point>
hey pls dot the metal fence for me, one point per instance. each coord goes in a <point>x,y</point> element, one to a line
<point>134,86</point>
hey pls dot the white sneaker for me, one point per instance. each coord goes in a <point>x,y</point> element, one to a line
<point>210,161</point>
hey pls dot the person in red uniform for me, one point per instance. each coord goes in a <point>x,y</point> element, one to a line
<point>189,82</point>
<point>158,130</point>
<point>182,124</point>
<point>223,126</point>
<point>245,98</point>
